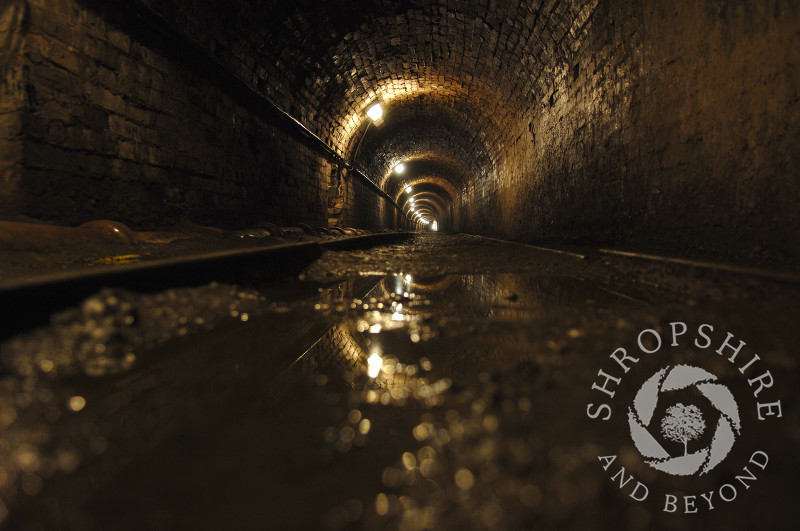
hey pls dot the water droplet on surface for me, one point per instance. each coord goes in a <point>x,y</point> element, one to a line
<point>524,404</point>
<point>76,403</point>
<point>464,479</point>
<point>381,504</point>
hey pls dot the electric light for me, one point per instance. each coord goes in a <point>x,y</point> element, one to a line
<point>375,112</point>
<point>400,168</point>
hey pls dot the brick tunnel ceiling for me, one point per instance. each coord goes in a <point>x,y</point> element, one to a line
<point>457,80</point>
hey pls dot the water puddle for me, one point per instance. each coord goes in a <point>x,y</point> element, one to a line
<point>390,402</point>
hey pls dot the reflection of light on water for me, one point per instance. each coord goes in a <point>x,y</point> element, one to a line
<point>398,312</point>
<point>76,403</point>
<point>374,362</point>
<point>400,281</point>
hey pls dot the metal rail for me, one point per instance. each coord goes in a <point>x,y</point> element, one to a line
<point>143,20</point>
<point>778,276</point>
<point>30,301</point>
<point>537,247</point>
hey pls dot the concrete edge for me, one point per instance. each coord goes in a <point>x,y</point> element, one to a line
<point>537,247</point>
<point>30,301</point>
<point>768,274</point>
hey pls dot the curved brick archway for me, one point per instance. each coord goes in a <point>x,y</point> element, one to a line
<point>641,123</point>
<point>434,188</point>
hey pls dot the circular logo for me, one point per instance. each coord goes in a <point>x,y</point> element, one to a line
<point>682,423</point>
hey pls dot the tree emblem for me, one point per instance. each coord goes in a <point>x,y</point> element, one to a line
<point>683,424</point>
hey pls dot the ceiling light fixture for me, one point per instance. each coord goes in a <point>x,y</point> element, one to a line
<point>375,112</point>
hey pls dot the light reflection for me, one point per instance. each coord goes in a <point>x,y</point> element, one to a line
<point>488,477</point>
<point>76,403</point>
<point>374,365</point>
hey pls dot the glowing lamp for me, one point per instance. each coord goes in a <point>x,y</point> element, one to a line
<point>375,112</point>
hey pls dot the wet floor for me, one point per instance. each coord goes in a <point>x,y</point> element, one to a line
<point>442,383</point>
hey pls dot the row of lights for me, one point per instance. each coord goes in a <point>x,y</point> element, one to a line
<point>399,169</point>
<point>375,113</point>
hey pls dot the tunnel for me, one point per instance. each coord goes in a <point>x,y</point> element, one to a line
<point>414,264</point>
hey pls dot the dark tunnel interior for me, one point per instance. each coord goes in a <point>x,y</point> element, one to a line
<point>275,192</point>
<point>633,123</point>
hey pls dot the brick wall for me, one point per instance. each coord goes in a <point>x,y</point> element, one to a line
<point>664,125</point>
<point>116,127</point>
<point>12,103</point>
<point>362,207</point>
<point>667,125</point>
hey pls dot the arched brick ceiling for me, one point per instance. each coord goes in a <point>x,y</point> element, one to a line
<point>427,190</point>
<point>432,203</point>
<point>432,189</point>
<point>426,183</point>
<point>459,79</point>
<point>424,133</point>
<point>429,166</point>
<point>431,197</point>
<point>487,56</point>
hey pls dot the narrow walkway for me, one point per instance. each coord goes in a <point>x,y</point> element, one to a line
<point>446,382</point>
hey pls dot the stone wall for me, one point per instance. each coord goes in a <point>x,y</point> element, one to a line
<point>12,102</point>
<point>670,126</point>
<point>118,125</point>
<point>360,206</point>
<point>667,126</point>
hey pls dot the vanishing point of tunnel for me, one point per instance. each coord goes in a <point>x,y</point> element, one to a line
<point>415,264</point>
